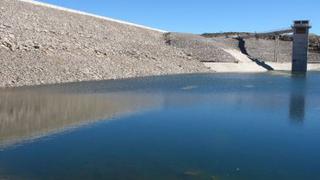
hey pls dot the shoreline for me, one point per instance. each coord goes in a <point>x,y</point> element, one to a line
<point>230,72</point>
<point>251,68</point>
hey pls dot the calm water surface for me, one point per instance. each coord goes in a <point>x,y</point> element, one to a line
<point>206,126</point>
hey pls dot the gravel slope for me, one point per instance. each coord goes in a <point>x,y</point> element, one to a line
<point>41,45</point>
<point>201,48</point>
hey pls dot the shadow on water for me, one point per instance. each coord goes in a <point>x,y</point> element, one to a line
<point>297,98</point>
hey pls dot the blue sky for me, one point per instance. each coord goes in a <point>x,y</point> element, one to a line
<point>199,16</point>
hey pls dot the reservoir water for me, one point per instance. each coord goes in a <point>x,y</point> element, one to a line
<point>201,126</point>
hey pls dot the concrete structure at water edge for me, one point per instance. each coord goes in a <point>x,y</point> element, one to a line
<point>300,46</point>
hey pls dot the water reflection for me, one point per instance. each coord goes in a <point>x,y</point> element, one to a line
<point>29,115</point>
<point>297,99</point>
<point>199,127</point>
<point>297,108</point>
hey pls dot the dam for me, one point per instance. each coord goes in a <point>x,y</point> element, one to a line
<point>300,30</point>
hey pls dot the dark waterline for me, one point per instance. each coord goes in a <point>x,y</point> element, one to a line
<point>204,126</point>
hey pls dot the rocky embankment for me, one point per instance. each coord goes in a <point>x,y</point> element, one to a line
<point>201,48</point>
<point>43,45</point>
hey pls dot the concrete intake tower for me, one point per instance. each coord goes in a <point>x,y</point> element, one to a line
<point>300,46</point>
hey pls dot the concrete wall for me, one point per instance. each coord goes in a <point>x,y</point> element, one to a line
<point>264,50</point>
<point>300,52</point>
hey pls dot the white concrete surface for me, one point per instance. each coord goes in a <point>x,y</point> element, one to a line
<point>234,67</point>
<point>252,68</point>
<point>287,66</point>
<point>244,64</point>
<point>238,55</point>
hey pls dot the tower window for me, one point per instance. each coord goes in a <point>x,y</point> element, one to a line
<point>301,30</point>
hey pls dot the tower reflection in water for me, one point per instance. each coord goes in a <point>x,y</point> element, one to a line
<point>297,99</point>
